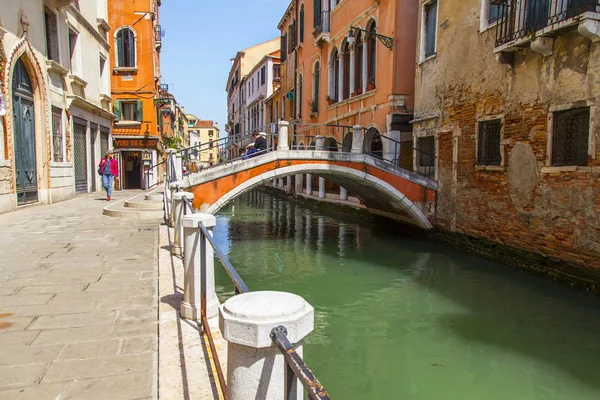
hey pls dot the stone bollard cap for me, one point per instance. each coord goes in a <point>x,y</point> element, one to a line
<point>192,220</point>
<point>181,195</point>
<point>247,319</point>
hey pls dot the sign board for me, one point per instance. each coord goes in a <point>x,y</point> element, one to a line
<point>135,143</point>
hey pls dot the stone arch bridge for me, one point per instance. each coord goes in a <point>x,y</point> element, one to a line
<point>378,184</point>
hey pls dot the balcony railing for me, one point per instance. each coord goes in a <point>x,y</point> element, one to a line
<point>520,19</point>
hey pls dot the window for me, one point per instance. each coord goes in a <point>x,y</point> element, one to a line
<point>336,76</point>
<point>57,135</point>
<point>211,133</point>
<point>346,82</point>
<point>372,54</point>
<point>128,110</point>
<point>73,51</point>
<point>426,151</point>
<point>316,83</point>
<point>317,21</point>
<point>570,137</point>
<point>276,72</point>
<point>493,12</point>
<point>358,62</point>
<point>103,77</point>
<point>300,96</point>
<point>263,74</point>
<point>51,35</point>
<point>125,48</point>
<point>291,35</point>
<point>283,47</point>
<point>430,25</point>
<point>488,142</point>
<point>301,33</point>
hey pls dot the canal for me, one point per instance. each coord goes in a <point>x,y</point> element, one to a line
<point>398,317</point>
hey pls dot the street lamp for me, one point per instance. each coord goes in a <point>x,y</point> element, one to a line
<point>386,40</point>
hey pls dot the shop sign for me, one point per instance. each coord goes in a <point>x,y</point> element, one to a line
<point>135,143</point>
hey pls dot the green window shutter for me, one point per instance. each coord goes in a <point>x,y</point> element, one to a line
<point>139,113</point>
<point>131,49</point>
<point>117,109</point>
<point>120,49</point>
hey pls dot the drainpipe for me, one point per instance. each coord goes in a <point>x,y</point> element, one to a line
<point>295,75</point>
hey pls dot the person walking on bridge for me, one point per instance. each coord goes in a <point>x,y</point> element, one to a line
<point>108,168</point>
<point>260,143</point>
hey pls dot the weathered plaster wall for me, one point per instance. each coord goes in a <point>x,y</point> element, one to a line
<point>525,204</point>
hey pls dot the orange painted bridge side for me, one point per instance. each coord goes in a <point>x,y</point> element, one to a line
<point>210,192</point>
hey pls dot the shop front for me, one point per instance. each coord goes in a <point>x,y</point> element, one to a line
<point>136,156</point>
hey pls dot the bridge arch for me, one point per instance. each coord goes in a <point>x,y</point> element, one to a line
<point>376,189</point>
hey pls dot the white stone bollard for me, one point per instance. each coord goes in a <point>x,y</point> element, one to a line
<point>357,140</point>
<point>256,369</point>
<point>321,188</point>
<point>309,184</point>
<point>179,211</point>
<point>282,141</point>
<point>319,143</point>
<point>192,284</point>
<point>343,194</point>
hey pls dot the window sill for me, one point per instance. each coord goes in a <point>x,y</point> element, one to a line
<point>53,66</point>
<point>431,57</point>
<point>574,168</point>
<point>78,81</point>
<point>497,168</point>
<point>128,124</point>
<point>58,164</point>
<point>125,70</point>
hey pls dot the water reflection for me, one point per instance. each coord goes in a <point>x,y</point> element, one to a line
<point>398,317</point>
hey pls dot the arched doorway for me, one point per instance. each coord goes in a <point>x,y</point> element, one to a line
<point>331,144</point>
<point>373,143</point>
<point>347,143</point>
<point>24,135</point>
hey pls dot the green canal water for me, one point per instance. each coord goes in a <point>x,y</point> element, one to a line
<point>398,317</point>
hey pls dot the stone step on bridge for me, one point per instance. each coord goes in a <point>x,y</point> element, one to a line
<point>378,184</point>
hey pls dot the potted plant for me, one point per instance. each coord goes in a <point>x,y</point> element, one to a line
<point>330,101</point>
<point>314,107</point>
<point>371,84</point>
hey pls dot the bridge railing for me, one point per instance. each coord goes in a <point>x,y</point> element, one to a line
<point>277,319</point>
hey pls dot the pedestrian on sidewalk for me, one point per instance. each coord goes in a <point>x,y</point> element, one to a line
<point>108,169</point>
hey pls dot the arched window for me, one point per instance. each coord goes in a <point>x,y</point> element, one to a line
<point>318,23</point>
<point>358,62</point>
<point>346,83</point>
<point>336,75</point>
<point>316,83</point>
<point>371,54</point>
<point>299,91</point>
<point>125,47</point>
<point>373,144</point>
<point>301,33</point>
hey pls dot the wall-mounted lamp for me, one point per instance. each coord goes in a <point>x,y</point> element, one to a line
<point>387,41</point>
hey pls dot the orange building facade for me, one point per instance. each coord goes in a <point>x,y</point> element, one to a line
<point>350,63</point>
<point>135,64</point>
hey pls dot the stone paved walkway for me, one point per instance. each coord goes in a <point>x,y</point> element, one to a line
<point>78,303</point>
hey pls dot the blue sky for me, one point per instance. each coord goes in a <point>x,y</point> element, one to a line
<point>201,37</point>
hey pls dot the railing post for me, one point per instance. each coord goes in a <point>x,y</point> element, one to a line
<point>173,188</point>
<point>309,184</point>
<point>193,257</point>
<point>357,140</point>
<point>343,194</point>
<point>321,187</point>
<point>179,212</point>
<point>282,141</point>
<point>178,166</point>
<point>256,368</point>
<point>319,142</point>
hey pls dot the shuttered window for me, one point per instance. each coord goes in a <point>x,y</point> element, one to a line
<point>430,28</point>
<point>125,48</point>
<point>128,110</point>
<point>570,137</point>
<point>488,142</point>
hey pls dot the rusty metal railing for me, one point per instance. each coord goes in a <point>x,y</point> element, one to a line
<point>294,361</point>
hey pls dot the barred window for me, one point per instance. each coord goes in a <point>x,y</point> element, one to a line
<point>426,151</point>
<point>488,142</point>
<point>57,135</point>
<point>570,137</point>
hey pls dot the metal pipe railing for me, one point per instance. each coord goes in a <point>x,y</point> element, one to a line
<point>294,361</point>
